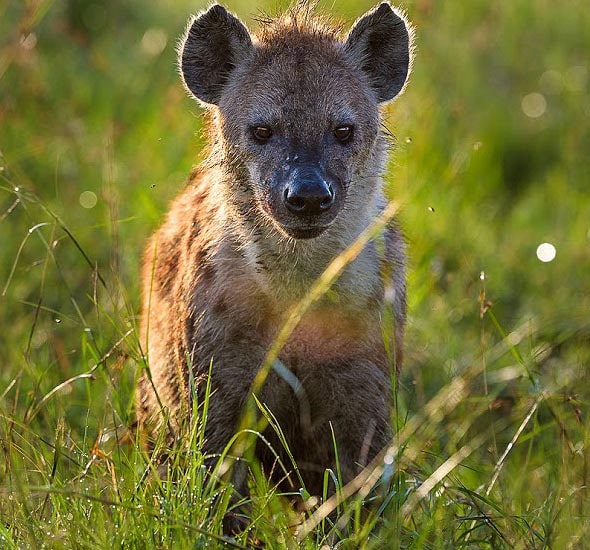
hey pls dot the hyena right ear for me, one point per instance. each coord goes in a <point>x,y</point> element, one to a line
<point>380,43</point>
<point>214,44</point>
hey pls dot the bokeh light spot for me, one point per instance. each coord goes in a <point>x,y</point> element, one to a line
<point>88,199</point>
<point>551,82</point>
<point>154,41</point>
<point>534,105</point>
<point>546,252</point>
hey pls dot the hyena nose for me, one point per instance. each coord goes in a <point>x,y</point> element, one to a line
<point>308,198</point>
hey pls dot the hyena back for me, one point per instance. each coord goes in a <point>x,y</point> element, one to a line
<point>293,176</point>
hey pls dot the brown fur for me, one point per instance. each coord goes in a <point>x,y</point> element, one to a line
<point>224,267</point>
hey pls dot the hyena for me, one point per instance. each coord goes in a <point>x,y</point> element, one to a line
<point>292,177</point>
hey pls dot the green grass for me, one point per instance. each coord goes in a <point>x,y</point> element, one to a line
<point>492,429</point>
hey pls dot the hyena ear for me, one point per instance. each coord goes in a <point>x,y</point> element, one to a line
<point>215,42</point>
<point>379,42</point>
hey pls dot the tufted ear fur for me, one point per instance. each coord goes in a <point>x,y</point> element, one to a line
<point>379,42</point>
<point>214,44</point>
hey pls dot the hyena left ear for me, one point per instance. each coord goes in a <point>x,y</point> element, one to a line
<point>379,42</point>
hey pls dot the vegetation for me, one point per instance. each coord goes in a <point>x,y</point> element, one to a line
<point>490,160</point>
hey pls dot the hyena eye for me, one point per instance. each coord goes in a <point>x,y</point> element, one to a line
<point>343,133</point>
<point>261,133</point>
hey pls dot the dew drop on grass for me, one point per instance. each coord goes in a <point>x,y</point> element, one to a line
<point>29,41</point>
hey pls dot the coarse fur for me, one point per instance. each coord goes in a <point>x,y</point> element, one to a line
<point>233,255</point>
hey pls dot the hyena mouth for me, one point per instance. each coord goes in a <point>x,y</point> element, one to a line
<point>308,228</point>
<point>304,232</point>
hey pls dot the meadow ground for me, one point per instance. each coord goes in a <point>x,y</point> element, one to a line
<point>491,159</point>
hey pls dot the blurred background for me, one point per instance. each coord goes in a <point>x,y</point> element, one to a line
<point>491,160</point>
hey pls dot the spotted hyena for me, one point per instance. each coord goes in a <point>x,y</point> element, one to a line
<point>293,175</point>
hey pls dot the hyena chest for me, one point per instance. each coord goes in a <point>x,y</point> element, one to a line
<point>331,336</point>
<point>238,314</point>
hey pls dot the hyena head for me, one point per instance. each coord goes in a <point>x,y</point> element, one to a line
<point>297,109</point>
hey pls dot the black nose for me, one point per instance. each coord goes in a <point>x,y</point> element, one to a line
<point>306,197</point>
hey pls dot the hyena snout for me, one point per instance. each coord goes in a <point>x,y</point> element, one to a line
<point>308,194</point>
<point>305,201</point>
